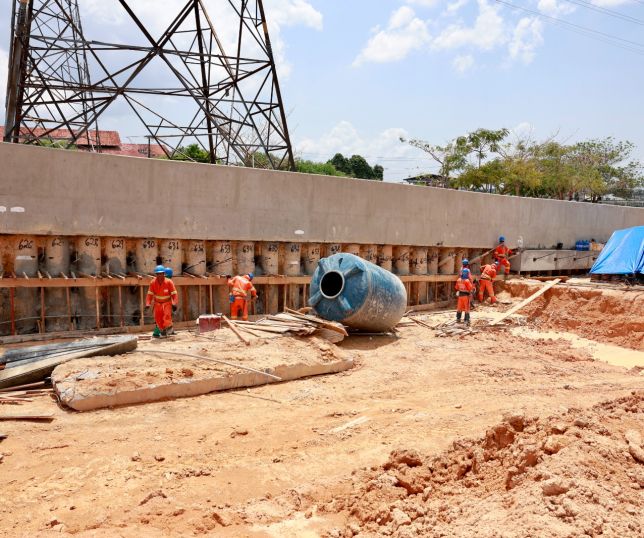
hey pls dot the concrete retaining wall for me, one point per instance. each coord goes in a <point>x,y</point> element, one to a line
<point>49,191</point>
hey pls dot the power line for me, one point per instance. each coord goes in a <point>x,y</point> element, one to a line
<point>625,44</point>
<point>606,11</point>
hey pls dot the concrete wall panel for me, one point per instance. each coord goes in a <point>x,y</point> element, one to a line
<point>75,193</point>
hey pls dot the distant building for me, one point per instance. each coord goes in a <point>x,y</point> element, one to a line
<point>97,141</point>
<point>429,180</point>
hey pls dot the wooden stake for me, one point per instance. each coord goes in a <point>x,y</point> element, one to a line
<point>526,301</point>
<point>234,329</point>
<point>13,312</point>
<point>212,306</point>
<point>42,310</point>
<point>141,305</point>
<point>98,308</point>
<point>121,306</point>
<point>69,309</point>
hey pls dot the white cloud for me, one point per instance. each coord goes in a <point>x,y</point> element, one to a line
<point>526,37</point>
<point>404,33</point>
<point>4,67</point>
<point>422,3</point>
<point>398,159</point>
<point>555,8</point>
<point>487,32</point>
<point>453,7</point>
<point>463,63</point>
<point>522,130</point>
<point>293,13</point>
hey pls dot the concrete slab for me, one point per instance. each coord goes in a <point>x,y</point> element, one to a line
<point>143,377</point>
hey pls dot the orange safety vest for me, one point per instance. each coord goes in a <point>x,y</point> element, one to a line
<point>162,293</point>
<point>240,286</point>
<point>489,272</point>
<point>501,251</point>
<point>463,286</point>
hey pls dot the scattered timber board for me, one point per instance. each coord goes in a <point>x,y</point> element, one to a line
<point>37,371</point>
<point>526,302</point>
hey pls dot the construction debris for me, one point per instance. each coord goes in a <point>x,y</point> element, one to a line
<point>289,323</point>
<point>36,363</point>
<point>34,418</point>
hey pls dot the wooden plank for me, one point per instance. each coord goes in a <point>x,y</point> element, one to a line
<point>322,323</point>
<point>234,329</point>
<point>27,386</point>
<point>527,301</point>
<point>36,418</point>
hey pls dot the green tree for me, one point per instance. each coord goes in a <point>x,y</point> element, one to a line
<point>378,172</point>
<point>360,168</point>
<point>310,167</point>
<point>481,143</point>
<point>450,158</point>
<point>615,170</point>
<point>193,152</point>
<point>341,163</point>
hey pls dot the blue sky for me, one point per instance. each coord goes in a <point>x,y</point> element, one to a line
<point>357,74</point>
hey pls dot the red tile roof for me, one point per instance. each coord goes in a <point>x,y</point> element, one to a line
<point>137,150</point>
<point>106,138</point>
<point>110,142</point>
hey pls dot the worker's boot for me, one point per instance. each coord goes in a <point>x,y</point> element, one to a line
<point>164,333</point>
<point>170,330</point>
<point>467,318</point>
<point>458,317</point>
<point>156,333</point>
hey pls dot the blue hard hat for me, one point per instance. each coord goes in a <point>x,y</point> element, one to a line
<point>169,272</point>
<point>251,276</point>
<point>465,261</point>
<point>465,274</point>
<point>501,239</point>
<point>159,269</point>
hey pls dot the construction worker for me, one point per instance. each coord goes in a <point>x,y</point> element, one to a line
<point>165,298</point>
<point>463,289</point>
<point>501,255</point>
<point>466,267</point>
<point>486,282</point>
<point>240,287</point>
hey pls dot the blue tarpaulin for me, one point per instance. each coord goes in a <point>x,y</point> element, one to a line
<point>623,254</point>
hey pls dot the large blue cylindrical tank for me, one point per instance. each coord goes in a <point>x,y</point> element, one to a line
<point>358,293</point>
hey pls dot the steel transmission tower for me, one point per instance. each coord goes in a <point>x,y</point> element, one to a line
<point>180,82</point>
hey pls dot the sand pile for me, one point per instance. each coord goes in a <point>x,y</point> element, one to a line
<point>577,474</point>
<point>609,316</point>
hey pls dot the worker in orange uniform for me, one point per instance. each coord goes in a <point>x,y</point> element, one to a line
<point>463,289</point>
<point>165,298</point>
<point>501,255</point>
<point>240,287</point>
<point>466,267</point>
<point>486,282</point>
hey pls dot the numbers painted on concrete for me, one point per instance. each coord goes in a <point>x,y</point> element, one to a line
<point>26,244</point>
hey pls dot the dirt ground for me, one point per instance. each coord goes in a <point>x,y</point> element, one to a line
<point>492,435</point>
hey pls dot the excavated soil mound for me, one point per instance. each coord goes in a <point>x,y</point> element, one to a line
<point>609,316</point>
<point>576,474</point>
